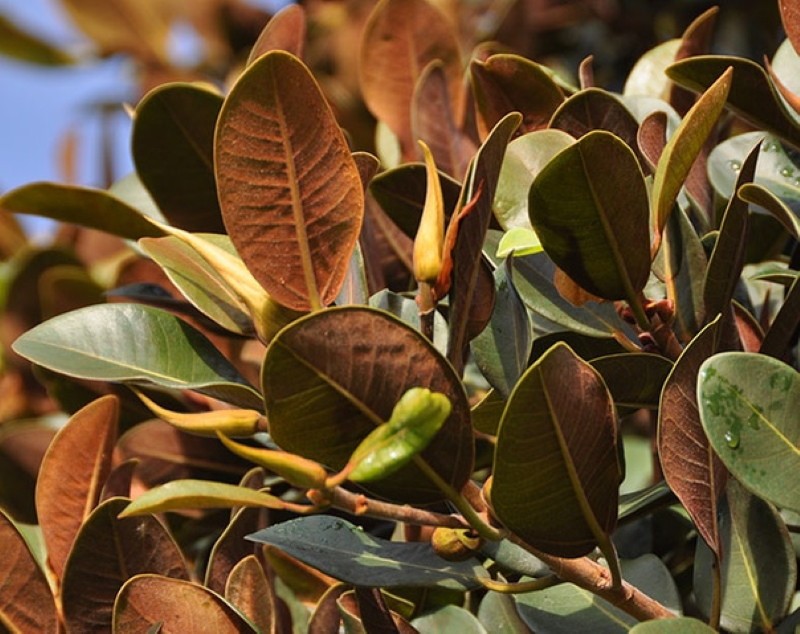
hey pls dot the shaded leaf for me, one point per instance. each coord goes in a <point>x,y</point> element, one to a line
<point>400,39</point>
<point>176,606</point>
<point>26,603</point>
<point>231,546</point>
<point>782,331</point>
<point>83,206</point>
<point>691,467</point>
<point>759,569</point>
<point>760,195</point>
<point>249,591</point>
<point>753,425</point>
<point>634,379</point>
<point>449,619</point>
<point>172,143</point>
<point>340,549</point>
<point>285,31</point>
<point>72,475</point>
<point>107,552</point>
<point>137,344</point>
<point>507,83</point>
<point>198,494</point>
<point>340,373</point>
<point>556,467</point>
<point>291,196</point>
<point>592,218</point>
<point>498,613</point>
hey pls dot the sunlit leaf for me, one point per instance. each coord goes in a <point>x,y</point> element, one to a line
<point>249,591</point>
<point>449,619</point>
<point>647,77</point>
<point>285,31</point>
<point>137,344</point>
<point>556,467</point>
<point>680,625</point>
<point>291,196</point>
<point>753,425</point>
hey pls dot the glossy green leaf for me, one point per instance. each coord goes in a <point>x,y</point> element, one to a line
<point>347,552</point>
<point>525,157</point>
<point>507,83</point>
<point>415,420</point>
<point>759,570</point>
<point>21,45</point>
<point>518,241</point>
<point>137,344</point>
<point>556,467</point>
<point>633,379</point>
<point>751,95</point>
<point>487,413</point>
<point>173,149</point>
<point>450,619</point>
<point>107,552</point>
<point>589,209</point>
<point>199,282</point>
<point>174,605</point>
<point>753,425</point>
<point>178,495</point>
<point>83,206</point>
<point>498,614</point>
<point>26,602</point>
<point>330,378</point>
<point>291,196</point>
<point>684,146</point>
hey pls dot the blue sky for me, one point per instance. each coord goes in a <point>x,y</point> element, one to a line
<point>39,106</point>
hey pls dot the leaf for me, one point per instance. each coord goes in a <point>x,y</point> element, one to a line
<point>518,241</point>
<point>291,195</point>
<point>231,547</point>
<point>589,208</point>
<point>647,75</point>
<point>137,344</point>
<point>347,552</point>
<point>21,45</point>
<point>107,552</point>
<point>498,613</point>
<point>782,331</point>
<point>26,603</point>
<point>684,146</point>
<point>696,40</point>
<point>752,95</point>
<point>415,420</point>
<point>449,619</point>
<point>92,208</point>
<point>285,31</point>
<point>400,38</point>
<point>406,309</point>
<point>634,379</point>
<point>174,605</point>
<point>525,157</point>
<point>249,591</point>
<point>691,467</point>
<point>340,373</point>
<point>197,494</point>
<point>556,467</point>
<point>752,425</point>
<point>759,569</point>
<point>680,625</point>
<point>507,83</point>
<point>760,195</point>
<point>790,17</point>
<point>172,143</point>
<point>72,475</point>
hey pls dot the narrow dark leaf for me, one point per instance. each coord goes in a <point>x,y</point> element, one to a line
<point>782,332</point>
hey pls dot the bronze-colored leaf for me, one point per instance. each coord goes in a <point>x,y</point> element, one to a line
<point>691,468</point>
<point>289,189</point>
<point>790,16</point>
<point>326,617</point>
<point>285,31</point>
<point>400,39</point>
<point>72,475</point>
<point>696,40</point>
<point>174,605</point>
<point>231,547</point>
<point>26,603</point>
<point>107,552</point>
<point>249,591</point>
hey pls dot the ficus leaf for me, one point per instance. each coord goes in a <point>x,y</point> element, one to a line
<point>285,31</point>
<point>415,420</point>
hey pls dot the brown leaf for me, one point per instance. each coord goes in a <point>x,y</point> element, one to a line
<point>691,468</point>
<point>72,475</point>
<point>400,38</point>
<point>290,194</point>
<point>307,583</point>
<point>652,137</point>
<point>286,31</point>
<point>26,603</point>
<point>790,16</point>
<point>249,591</point>
<point>118,483</point>
<point>108,551</point>
<point>231,547</point>
<point>326,617</point>
<point>386,250</point>
<point>177,605</point>
<point>696,40</point>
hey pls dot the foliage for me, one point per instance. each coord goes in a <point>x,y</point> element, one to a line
<point>537,372</point>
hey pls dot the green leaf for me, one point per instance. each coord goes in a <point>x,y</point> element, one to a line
<point>450,619</point>
<point>524,159</point>
<point>759,195</point>
<point>415,420</point>
<point>556,466</point>
<point>137,344</point>
<point>751,95</point>
<point>753,424</point>
<point>684,146</point>
<point>21,45</point>
<point>681,625</point>
<point>518,241</point>
<point>589,208</point>
<point>173,149</point>
<point>498,614</point>
<point>342,550</point>
<point>179,495</point>
<point>291,195</point>
<point>92,208</point>
<point>640,501</point>
<point>634,379</point>
<point>330,378</point>
<point>759,569</point>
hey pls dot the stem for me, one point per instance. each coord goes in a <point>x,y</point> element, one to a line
<point>610,553</point>
<point>716,594</point>
<point>518,588</point>
<point>427,309</point>
<point>639,314</point>
<point>597,579</point>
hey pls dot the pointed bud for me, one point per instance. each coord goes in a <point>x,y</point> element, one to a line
<point>430,234</point>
